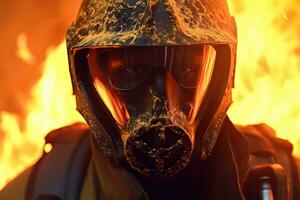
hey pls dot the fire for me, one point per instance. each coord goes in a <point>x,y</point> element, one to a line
<point>268,66</point>
<point>267,84</point>
<point>52,106</point>
<point>23,51</point>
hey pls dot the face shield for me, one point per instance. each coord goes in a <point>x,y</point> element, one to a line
<point>154,94</point>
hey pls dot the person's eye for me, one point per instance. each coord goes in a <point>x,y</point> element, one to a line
<point>127,77</point>
<point>186,76</point>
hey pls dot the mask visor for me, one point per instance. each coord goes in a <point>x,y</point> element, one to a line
<point>144,79</point>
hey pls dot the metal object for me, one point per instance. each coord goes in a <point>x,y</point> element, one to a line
<point>265,188</point>
<point>267,182</point>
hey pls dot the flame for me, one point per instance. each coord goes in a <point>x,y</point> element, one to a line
<point>268,66</point>
<point>52,106</point>
<point>267,84</point>
<point>23,51</point>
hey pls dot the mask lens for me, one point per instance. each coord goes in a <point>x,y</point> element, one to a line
<point>187,64</point>
<point>129,80</point>
<point>128,76</point>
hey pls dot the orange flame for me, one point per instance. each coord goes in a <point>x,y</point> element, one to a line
<point>268,66</point>
<point>23,51</point>
<point>52,106</point>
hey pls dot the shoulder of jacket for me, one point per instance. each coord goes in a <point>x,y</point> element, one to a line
<point>267,149</point>
<point>16,189</point>
<point>297,160</point>
<point>262,138</point>
<point>69,133</point>
<point>70,154</point>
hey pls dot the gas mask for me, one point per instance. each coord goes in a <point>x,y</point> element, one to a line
<point>154,84</point>
<point>154,95</point>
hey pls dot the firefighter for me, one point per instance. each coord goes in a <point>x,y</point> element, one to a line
<point>153,79</point>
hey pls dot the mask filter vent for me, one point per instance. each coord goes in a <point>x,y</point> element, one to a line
<point>159,152</point>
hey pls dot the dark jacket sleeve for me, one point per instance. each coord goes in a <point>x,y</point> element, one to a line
<point>298,169</point>
<point>16,189</point>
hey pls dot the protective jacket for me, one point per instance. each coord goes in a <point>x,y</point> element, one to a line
<point>237,169</point>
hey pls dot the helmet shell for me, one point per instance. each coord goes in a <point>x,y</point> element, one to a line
<point>152,22</point>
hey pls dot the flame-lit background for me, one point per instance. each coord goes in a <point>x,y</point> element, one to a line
<point>36,94</point>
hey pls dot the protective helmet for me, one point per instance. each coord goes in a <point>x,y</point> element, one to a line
<point>153,78</point>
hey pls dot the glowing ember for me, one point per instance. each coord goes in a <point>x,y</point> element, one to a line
<point>52,106</point>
